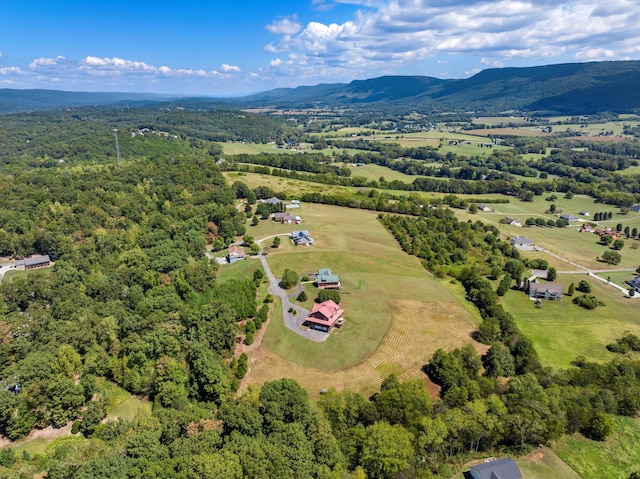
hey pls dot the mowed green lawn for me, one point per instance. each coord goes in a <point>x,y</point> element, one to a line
<point>561,330</point>
<point>374,272</point>
<point>615,458</point>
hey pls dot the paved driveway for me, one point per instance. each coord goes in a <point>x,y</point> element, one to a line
<point>292,321</point>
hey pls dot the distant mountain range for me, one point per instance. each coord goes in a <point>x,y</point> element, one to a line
<point>569,88</point>
<point>12,100</point>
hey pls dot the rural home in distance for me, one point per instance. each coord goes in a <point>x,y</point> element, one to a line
<point>38,261</point>
<point>271,201</point>
<point>546,291</point>
<point>325,316</point>
<point>301,238</point>
<point>512,222</point>
<point>286,218</point>
<point>634,283</point>
<point>498,469</point>
<point>519,241</point>
<point>325,279</point>
<point>236,253</point>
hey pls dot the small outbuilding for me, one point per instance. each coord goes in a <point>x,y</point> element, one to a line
<point>496,469</point>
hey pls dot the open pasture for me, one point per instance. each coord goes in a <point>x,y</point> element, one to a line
<point>562,331</point>
<point>615,458</point>
<point>386,294</point>
<point>417,329</point>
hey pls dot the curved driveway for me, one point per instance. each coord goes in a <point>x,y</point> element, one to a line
<point>292,321</point>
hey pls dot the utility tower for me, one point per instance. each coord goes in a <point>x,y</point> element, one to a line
<point>115,133</point>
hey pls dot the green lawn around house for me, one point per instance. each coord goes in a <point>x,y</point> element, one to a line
<point>562,331</point>
<point>374,272</point>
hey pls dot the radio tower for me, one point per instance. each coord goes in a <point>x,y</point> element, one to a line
<point>115,133</point>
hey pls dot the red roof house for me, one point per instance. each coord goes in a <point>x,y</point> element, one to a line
<point>325,316</point>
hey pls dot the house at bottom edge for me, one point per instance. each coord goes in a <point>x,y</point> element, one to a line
<point>498,469</point>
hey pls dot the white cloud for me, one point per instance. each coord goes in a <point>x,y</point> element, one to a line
<point>11,70</point>
<point>392,35</point>
<point>229,68</point>
<point>285,26</point>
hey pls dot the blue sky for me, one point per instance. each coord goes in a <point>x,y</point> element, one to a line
<point>220,48</point>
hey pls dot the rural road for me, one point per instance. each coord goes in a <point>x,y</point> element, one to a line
<point>592,272</point>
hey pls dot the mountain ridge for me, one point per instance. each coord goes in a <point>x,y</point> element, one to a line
<point>565,88</point>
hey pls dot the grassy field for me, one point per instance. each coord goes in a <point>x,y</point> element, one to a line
<point>387,329</point>
<point>121,403</point>
<point>541,463</point>
<point>615,458</point>
<point>561,330</point>
<point>9,275</point>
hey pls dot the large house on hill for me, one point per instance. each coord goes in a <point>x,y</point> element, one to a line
<point>325,279</point>
<point>325,316</point>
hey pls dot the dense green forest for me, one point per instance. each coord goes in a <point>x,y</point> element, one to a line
<point>133,300</point>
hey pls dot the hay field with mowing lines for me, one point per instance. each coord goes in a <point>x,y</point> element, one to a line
<point>417,329</point>
<point>388,298</point>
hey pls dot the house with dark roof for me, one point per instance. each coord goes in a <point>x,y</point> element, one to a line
<point>483,207</point>
<point>634,283</point>
<point>511,221</point>
<point>499,469</point>
<point>546,290</point>
<point>37,261</point>
<point>301,238</point>
<point>568,217</point>
<point>236,253</point>
<point>521,241</point>
<point>325,316</point>
<point>325,279</point>
<point>635,208</point>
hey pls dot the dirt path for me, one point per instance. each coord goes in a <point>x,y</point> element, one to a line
<point>48,434</point>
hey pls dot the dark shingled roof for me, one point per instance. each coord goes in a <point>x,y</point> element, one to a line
<point>500,469</point>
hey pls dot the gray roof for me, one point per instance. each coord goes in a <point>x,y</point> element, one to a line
<point>273,200</point>
<point>521,240</point>
<point>500,469</point>
<point>552,288</point>
<point>39,259</point>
